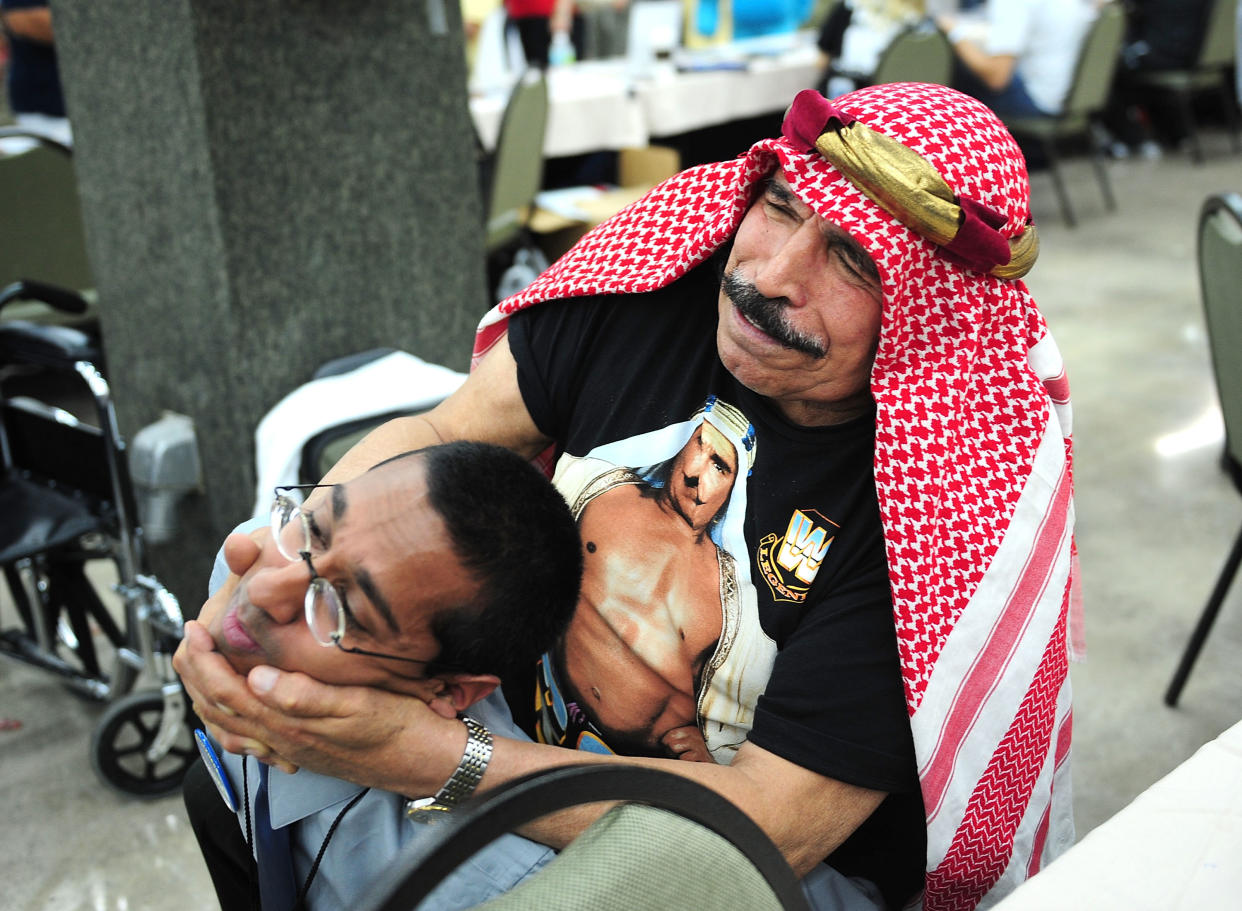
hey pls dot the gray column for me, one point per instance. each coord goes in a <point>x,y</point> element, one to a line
<point>266,185</point>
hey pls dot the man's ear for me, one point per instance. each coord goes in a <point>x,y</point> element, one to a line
<point>460,691</point>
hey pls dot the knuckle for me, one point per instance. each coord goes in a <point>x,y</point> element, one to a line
<point>286,699</point>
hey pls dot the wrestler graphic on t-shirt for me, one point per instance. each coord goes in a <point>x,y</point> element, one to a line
<point>658,591</point>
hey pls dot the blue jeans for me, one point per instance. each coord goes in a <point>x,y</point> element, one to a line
<point>1011,101</point>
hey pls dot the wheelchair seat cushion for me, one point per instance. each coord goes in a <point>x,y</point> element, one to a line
<point>47,518</point>
<point>23,342</point>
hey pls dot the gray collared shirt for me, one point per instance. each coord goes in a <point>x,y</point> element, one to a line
<point>373,833</point>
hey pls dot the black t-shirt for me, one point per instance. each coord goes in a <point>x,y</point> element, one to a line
<point>1172,30</point>
<point>622,384</point>
<point>33,80</point>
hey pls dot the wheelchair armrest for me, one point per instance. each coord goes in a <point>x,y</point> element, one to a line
<point>52,346</point>
<point>37,136</point>
<point>54,296</point>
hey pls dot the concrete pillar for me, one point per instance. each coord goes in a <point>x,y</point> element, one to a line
<point>266,185</point>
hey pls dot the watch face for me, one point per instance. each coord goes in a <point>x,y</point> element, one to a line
<point>215,769</point>
<point>426,810</point>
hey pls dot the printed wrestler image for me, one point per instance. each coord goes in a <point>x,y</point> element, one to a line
<point>659,604</point>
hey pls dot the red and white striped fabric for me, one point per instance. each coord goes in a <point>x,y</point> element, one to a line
<point>972,469</point>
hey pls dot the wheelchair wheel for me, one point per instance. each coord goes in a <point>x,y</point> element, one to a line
<point>126,751</point>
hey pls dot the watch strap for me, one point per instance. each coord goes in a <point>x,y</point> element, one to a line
<point>462,782</point>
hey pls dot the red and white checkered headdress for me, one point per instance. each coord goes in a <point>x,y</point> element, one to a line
<point>972,461</point>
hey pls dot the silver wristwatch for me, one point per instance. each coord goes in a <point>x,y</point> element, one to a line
<point>462,782</point>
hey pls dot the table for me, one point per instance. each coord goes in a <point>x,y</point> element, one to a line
<point>606,104</point>
<point>591,108</point>
<point>676,101</point>
<point>1177,845</point>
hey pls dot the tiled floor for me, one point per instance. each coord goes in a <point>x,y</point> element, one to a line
<point>1121,294</point>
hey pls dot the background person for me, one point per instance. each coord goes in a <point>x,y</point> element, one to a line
<point>853,36</point>
<point>1160,35</point>
<point>1019,58</point>
<point>544,26</point>
<point>33,82</point>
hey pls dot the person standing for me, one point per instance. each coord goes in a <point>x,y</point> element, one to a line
<point>33,82</point>
<point>547,29</point>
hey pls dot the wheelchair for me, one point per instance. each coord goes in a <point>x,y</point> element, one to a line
<point>66,501</point>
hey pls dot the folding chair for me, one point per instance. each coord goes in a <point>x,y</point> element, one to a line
<point>41,234</point>
<point>516,175</point>
<point>1210,73</point>
<point>1087,97</point>
<point>637,857</point>
<point>1220,278</point>
<point>918,53</point>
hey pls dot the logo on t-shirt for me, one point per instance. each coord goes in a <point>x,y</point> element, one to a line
<point>790,563</point>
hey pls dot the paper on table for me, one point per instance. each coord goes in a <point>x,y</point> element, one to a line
<point>570,202</point>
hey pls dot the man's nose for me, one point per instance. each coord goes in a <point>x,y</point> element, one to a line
<point>279,590</point>
<point>691,480</point>
<point>796,262</point>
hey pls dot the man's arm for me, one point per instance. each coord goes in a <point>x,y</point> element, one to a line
<point>488,407</point>
<point>807,815</point>
<point>379,739</point>
<point>995,70</point>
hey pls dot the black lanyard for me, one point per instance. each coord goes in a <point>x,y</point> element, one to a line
<point>299,903</point>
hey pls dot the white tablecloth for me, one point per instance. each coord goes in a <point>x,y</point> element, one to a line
<point>591,108</point>
<point>1177,845</point>
<point>675,102</point>
<point>605,104</point>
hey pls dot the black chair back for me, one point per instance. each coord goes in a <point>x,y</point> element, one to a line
<point>1220,281</point>
<point>613,865</point>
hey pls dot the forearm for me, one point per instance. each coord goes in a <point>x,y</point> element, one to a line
<point>806,815</point>
<point>562,15</point>
<point>385,441</point>
<point>31,24</point>
<point>488,407</point>
<point>995,70</point>
<point>397,743</point>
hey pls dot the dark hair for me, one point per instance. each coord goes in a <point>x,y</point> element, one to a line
<point>514,532</point>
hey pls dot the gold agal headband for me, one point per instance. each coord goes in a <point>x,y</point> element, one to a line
<point>907,186</point>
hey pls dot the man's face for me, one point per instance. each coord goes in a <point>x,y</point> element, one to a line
<point>799,311</point>
<point>384,548</point>
<point>702,476</point>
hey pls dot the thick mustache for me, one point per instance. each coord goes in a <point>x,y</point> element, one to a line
<point>768,313</point>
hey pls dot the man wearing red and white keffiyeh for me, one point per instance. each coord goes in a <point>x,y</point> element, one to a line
<point>971,465</point>
<point>973,451</point>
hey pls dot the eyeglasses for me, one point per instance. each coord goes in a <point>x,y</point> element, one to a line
<point>324,613</point>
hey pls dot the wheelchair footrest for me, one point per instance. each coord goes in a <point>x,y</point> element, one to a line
<point>22,646</point>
